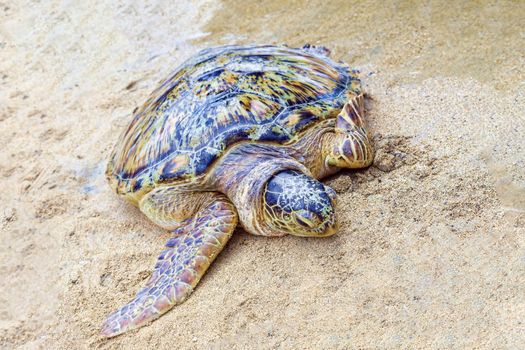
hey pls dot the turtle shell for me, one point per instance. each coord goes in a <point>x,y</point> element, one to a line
<point>223,96</point>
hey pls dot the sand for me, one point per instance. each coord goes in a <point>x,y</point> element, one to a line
<point>431,251</point>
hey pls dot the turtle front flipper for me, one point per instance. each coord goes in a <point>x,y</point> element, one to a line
<point>351,147</point>
<point>179,268</point>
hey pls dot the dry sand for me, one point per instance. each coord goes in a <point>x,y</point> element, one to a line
<point>431,250</point>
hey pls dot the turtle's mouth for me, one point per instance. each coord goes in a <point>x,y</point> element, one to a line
<point>315,227</point>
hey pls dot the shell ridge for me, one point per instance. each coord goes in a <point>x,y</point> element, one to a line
<point>187,151</point>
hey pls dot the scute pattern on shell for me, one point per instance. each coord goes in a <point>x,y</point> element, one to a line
<point>223,96</point>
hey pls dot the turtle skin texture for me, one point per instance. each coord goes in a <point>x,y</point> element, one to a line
<point>238,135</point>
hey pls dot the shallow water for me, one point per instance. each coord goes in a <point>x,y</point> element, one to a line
<point>415,39</point>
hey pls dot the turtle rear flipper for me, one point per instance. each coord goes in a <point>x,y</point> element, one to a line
<point>179,268</point>
<point>317,49</point>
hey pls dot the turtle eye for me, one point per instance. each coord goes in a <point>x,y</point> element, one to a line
<point>307,219</point>
<point>303,222</point>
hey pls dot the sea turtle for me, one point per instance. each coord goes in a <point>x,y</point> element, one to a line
<point>236,134</point>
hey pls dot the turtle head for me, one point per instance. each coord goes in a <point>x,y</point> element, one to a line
<point>272,193</point>
<point>297,204</point>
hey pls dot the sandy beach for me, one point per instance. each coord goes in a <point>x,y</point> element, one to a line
<point>431,250</point>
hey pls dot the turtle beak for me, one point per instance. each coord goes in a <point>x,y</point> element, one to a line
<point>331,224</point>
<point>332,194</point>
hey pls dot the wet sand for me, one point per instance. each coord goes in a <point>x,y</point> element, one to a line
<point>431,251</point>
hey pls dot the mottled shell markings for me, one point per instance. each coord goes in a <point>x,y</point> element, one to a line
<point>222,97</point>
